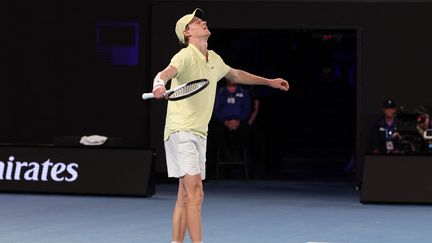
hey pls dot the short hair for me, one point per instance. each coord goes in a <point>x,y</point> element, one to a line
<point>186,38</point>
<point>186,42</point>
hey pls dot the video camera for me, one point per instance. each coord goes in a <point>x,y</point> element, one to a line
<point>421,118</point>
<point>411,140</point>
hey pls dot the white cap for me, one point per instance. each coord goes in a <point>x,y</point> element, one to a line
<point>184,21</point>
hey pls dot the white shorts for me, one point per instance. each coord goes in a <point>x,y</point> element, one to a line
<point>185,154</point>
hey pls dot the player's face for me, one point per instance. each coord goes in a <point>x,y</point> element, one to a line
<point>197,28</point>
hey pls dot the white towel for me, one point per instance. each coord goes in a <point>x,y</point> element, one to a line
<point>93,140</point>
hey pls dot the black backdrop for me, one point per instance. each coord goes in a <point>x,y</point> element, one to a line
<point>50,84</point>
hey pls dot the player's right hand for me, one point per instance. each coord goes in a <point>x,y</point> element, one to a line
<point>159,92</point>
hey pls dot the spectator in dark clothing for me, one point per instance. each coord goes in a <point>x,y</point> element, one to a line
<point>232,114</point>
<point>383,133</point>
<point>233,104</point>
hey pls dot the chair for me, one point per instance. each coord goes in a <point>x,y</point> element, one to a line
<point>238,157</point>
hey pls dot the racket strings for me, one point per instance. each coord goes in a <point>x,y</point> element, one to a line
<point>187,89</point>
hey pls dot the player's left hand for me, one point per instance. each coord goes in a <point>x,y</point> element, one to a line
<point>279,83</point>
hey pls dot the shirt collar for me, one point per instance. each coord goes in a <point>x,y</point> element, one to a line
<point>198,53</point>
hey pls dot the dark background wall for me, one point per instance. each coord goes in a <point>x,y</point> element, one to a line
<point>51,85</point>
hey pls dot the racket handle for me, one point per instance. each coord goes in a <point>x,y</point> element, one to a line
<point>147,96</point>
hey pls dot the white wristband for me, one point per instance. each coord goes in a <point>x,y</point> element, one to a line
<point>158,81</point>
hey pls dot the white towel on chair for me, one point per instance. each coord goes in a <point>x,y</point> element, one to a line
<point>93,140</point>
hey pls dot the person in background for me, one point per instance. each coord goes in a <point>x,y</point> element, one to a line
<point>233,117</point>
<point>383,134</point>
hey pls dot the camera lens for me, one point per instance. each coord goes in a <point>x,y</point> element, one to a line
<point>421,119</point>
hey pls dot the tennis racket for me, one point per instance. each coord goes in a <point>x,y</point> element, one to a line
<point>183,91</point>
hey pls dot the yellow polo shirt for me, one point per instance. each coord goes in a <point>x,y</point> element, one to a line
<point>193,113</point>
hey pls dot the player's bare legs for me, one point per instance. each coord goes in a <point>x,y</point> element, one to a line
<point>195,195</point>
<point>179,219</point>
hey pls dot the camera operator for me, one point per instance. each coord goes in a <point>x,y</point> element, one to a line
<point>383,136</point>
<point>424,126</point>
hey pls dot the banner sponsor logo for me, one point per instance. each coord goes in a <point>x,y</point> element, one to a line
<point>14,170</point>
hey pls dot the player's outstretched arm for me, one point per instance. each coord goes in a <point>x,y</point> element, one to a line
<point>243,77</point>
<point>161,79</point>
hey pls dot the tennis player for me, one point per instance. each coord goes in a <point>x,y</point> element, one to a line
<point>187,120</point>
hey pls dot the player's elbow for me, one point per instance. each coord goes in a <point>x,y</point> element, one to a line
<point>234,75</point>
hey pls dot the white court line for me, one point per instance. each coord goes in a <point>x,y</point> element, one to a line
<point>319,242</point>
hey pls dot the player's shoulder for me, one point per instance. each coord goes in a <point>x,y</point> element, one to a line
<point>183,55</point>
<point>184,51</point>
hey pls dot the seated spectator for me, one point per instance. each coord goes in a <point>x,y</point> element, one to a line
<point>232,113</point>
<point>383,132</point>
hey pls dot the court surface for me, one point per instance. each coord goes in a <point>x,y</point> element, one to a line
<point>233,211</point>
